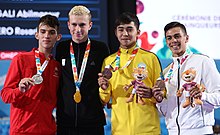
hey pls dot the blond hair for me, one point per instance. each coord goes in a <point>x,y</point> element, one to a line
<point>80,10</point>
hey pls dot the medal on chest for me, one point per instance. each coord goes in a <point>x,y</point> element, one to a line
<point>78,79</point>
<point>77,96</point>
<point>38,79</point>
<point>117,60</point>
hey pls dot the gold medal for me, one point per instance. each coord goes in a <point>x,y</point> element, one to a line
<point>77,97</point>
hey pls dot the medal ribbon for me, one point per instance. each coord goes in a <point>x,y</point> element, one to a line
<point>40,68</point>
<point>117,59</point>
<point>170,72</point>
<point>77,79</point>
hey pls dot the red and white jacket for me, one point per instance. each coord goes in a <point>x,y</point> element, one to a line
<point>31,112</point>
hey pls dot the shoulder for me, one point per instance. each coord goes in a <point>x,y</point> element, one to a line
<point>111,57</point>
<point>23,57</point>
<point>202,58</point>
<point>55,62</point>
<point>99,47</point>
<point>24,54</point>
<point>199,55</point>
<point>147,54</point>
<point>97,43</point>
<point>64,43</point>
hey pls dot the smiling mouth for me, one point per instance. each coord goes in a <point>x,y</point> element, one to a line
<point>175,47</point>
<point>46,41</point>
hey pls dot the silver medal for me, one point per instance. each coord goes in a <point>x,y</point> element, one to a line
<point>38,79</point>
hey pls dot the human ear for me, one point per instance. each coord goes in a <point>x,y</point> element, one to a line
<point>36,35</point>
<point>59,36</point>
<point>187,38</point>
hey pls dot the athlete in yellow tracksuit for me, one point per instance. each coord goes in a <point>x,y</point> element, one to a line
<point>132,118</point>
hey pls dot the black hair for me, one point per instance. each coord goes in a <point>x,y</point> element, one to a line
<point>50,20</point>
<point>126,18</point>
<point>174,24</point>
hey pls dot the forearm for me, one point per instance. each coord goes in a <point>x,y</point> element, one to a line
<point>10,95</point>
<point>104,95</point>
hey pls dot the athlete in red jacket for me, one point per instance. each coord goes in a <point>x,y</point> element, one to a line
<point>32,82</point>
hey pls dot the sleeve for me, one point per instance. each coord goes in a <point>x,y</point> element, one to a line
<point>157,69</point>
<point>10,92</point>
<point>156,72</point>
<point>211,80</point>
<point>105,50</point>
<point>162,107</point>
<point>105,94</point>
<point>57,54</point>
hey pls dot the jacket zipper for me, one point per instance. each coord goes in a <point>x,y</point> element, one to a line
<point>178,103</point>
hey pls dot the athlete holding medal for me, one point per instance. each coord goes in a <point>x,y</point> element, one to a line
<point>32,82</point>
<point>37,78</point>
<point>130,118</point>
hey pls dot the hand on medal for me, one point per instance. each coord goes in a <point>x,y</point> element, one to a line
<point>157,90</point>
<point>144,92</point>
<point>25,84</point>
<point>103,81</point>
<point>158,93</point>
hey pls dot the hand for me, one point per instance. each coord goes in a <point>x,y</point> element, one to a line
<point>107,73</point>
<point>144,92</point>
<point>126,87</point>
<point>195,92</point>
<point>103,82</point>
<point>160,84</point>
<point>25,84</point>
<point>179,92</point>
<point>158,93</point>
<point>157,90</point>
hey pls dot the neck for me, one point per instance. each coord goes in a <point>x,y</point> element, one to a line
<point>179,54</point>
<point>46,52</point>
<point>127,47</point>
<point>80,41</point>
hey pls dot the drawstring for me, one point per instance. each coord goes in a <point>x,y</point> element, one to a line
<point>178,104</point>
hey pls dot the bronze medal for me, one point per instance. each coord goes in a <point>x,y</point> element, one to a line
<point>77,96</point>
<point>107,73</point>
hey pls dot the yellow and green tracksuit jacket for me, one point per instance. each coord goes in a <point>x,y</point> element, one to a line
<point>132,118</point>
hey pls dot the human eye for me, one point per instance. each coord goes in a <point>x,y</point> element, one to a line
<point>82,24</point>
<point>130,29</point>
<point>120,29</point>
<point>74,24</point>
<point>53,32</point>
<point>168,38</point>
<point>42,31</point>
<point>177,36</point>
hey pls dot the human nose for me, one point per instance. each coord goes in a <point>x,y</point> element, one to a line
<point>47,34</point>
<point>125,32</point>
<point>78,28</point>
<point>174,39</point>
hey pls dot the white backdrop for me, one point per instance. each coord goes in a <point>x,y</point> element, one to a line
<point>201,17</point>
